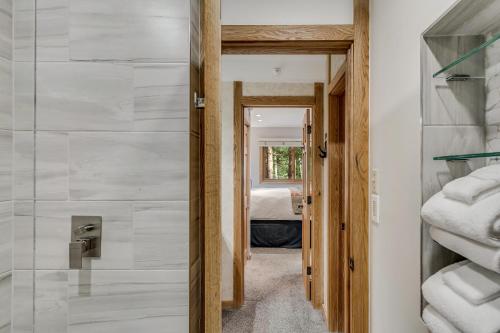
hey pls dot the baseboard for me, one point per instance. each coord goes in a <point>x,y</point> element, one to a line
<point>227,305</point>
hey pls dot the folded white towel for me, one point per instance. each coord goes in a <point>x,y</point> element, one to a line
<point>470,189</point>
<point>436,323</point>
<point>484,255</point>
<point>473,282</point>
<point>484,318</point>
<point>480,221</point>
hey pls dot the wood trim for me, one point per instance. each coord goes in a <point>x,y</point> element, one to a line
<point>268,101</point>
<point>317,198</point>
<point>211,51</point>
<point>286,39</point>
<point>238,232</point>
<point>279,33</point>
<point>334,88</point>
<point>359,171</point>
<point>227,305</point>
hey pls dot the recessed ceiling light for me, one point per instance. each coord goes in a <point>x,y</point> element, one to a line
<point>258,115</point>
<point>259,120</point>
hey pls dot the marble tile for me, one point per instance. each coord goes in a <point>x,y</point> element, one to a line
<point>53,234</point>
<point>5,304</point>
<point>24,167</point>
<point>22,301</point>
<point>84,96</point>
<point>195,32</point>
<point>161,97</point>
<point>52,24</point>
<point>51,301</point>
<point>6,29</point>
<point>448,140</point>
<point>128,301</point>
<point>52,166</point>
<point>452,103</point>
<point>5,93</point>
<point>5,165</point>
<point>23,234</point>
<point>161,235</point>
<point>24,95</point>
<point>129,166</point>
<point>24,30</point>
<point>5,237</point>
<point>151,30</point>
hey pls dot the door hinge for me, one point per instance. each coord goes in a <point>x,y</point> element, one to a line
<point>309,270</point>
<point>199,102</point>
<point>309,199</point>
<point>351,263</point>
<point>309,129</point>
<point>342,226</point>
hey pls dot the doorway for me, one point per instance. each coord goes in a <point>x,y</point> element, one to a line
<point>283,39</point>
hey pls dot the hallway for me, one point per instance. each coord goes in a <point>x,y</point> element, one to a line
<point>274,297</point>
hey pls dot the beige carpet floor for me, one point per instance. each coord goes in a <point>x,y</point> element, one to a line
<point>274,297</point>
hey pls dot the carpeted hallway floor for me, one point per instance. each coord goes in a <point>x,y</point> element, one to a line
<point>274,297</point>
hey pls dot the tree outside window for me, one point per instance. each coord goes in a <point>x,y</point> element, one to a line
<point>281,164</point>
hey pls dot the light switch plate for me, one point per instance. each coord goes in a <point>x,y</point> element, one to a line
<point>374,181</point>
<point>375,208</point>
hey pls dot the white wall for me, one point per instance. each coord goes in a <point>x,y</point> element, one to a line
<point>287,12</point>
<point>396,26</point>
<point>257,133</point>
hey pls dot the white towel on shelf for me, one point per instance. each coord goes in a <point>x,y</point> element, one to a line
<point>470,189</point>
<point>480,221</point>
<point>484,318</point>
<point>476,284</point>
<point>481,254</point>
<point>476,186</point>
<point>436,323</point>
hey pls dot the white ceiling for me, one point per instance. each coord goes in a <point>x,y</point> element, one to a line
<point>287,11</point>
<point>259,68</point>
<point>276,117</point>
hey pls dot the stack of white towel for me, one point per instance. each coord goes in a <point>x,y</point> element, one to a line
<point>465,218</point>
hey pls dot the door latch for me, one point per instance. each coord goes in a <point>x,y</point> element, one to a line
<point>199,102</point>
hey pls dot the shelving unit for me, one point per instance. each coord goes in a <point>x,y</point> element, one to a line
<point>466,157</point>
<point>447,71</point>
<point>460,83</point>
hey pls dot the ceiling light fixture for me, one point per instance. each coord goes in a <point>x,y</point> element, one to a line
<point>259,120</point>
<point>258,115</point>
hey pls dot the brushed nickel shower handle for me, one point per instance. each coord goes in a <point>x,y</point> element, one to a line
<point>83,229</point>
<point>77,251</point>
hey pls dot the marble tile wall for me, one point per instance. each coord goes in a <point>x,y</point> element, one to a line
<point>453,121</point>
<point>111,139</point>
<point>492,70</point>
<point>6,167</point>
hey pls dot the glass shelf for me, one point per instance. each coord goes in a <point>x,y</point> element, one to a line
<point>445,71</point>
<point>466,157</point>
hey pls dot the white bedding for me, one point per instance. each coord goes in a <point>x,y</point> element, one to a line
<point>272,204</point>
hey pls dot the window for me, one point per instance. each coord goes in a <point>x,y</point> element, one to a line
<point>281,164</point>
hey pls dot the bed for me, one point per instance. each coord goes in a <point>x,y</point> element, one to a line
<point>276,217</point>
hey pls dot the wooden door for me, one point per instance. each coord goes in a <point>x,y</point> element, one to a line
<point>246,191</point>
<point>306,200</point>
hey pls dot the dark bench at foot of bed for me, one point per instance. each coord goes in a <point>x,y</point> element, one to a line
<point>276,233</point>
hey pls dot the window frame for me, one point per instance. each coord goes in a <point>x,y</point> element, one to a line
<point>262,171</point>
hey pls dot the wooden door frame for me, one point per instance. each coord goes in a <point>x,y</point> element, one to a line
<point>315,103</point>
<point>288,41</point>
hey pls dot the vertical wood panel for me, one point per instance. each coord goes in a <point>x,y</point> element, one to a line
<point>359,322</point>
<point>317,198</point>
<point>238,263</point>
<point>211,49</point>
